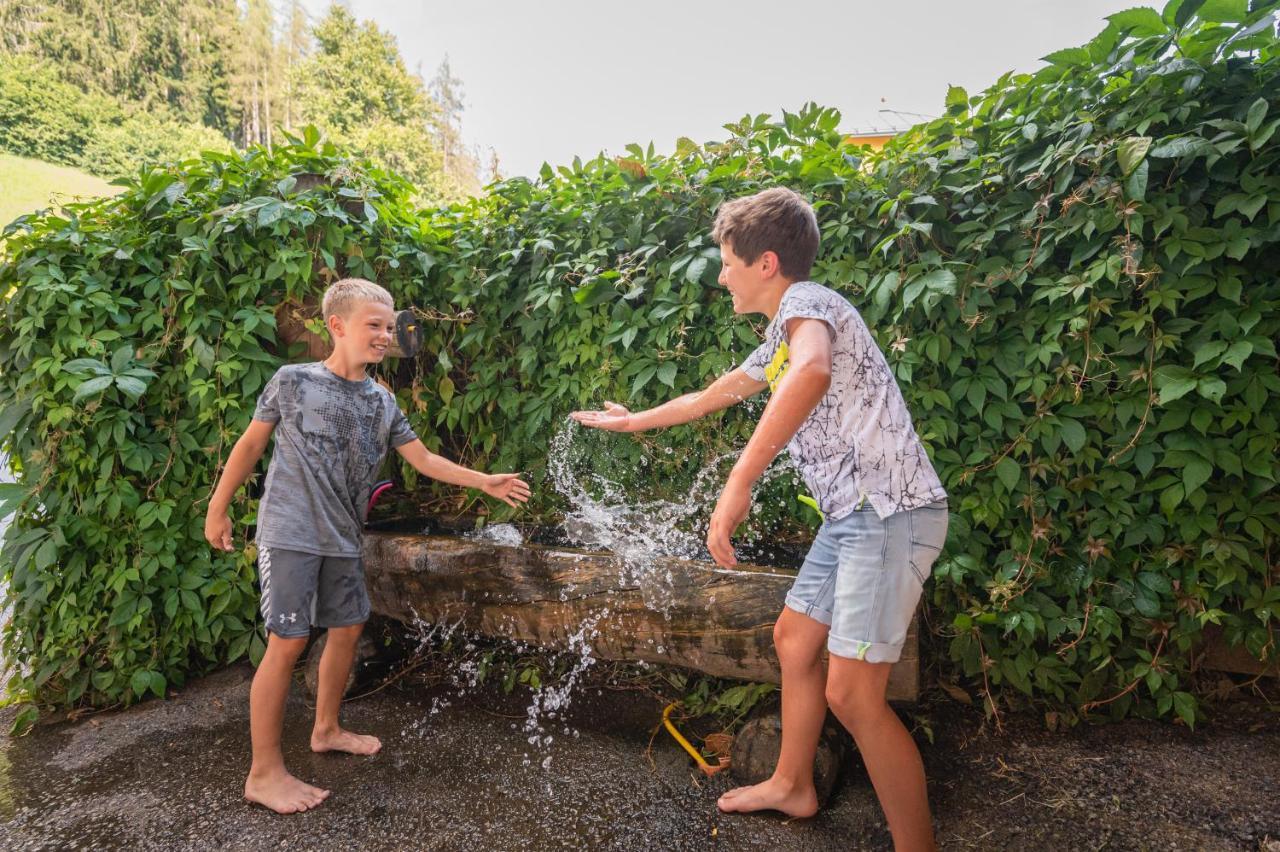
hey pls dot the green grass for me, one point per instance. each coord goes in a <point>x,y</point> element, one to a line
<point>27,185</point>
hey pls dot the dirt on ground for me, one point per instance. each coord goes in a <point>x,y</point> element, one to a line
<point>458,772</point>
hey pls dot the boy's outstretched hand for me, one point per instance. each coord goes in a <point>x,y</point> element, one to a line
<point>614,418</point>
<point>507,487</point>
<point>731,510</point>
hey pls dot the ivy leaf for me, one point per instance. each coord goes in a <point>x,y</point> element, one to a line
<point>1131,152</point>
<point>86,365</point>
<point>1195,473</point>
<point>1236,355</point>
<point>667,373</point>
<point>131,387</point>
<point>1141,22</point>
<point>1009,472</point>
<point>1174,383</point>
<point>270,213</point>
<point>1135,188</point>
<point>91,386</point>
<point>642,379</point>
<point>1073,435</point>
<point>1180,146</point>
<point>1224,11</point>
<point>1184,704</point>
<point>957,100</point>
<point>693,272</point>
<point>121,358</point>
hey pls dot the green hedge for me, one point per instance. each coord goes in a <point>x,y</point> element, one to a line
<point>1072,274</point>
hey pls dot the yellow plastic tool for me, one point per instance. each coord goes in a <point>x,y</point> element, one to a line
<point>707,768</point>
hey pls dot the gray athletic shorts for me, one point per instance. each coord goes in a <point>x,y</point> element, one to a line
<point>302,590</point>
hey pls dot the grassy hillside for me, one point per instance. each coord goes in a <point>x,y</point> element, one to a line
<point>27,185</point>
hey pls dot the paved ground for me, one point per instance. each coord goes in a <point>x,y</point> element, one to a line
<point>168,774</point>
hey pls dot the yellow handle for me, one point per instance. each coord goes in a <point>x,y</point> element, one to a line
<point>707,768</point>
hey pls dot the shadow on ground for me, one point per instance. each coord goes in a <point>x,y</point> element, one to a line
<point>168,774</point>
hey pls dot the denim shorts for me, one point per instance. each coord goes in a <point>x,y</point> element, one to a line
<point>863,577</point>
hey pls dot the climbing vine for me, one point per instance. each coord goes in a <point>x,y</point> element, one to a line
<point>1072,275</point>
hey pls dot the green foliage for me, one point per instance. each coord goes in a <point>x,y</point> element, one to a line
<point>138,330</point>
<point>1071,275</point>
<point>165,57</point>
<point>45,118</point>
<point>145,139</point>
<point>355,87</point>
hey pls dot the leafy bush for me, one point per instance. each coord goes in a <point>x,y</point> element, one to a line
<point>140,330</point>
<point>43,117</point>
<point>145,139</point>
<point>1072,275</point>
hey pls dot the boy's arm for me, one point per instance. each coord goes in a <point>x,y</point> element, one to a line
<point>507,487</point>
<point>731,388</point>
<point>806,380</point>
<point>240,464</point>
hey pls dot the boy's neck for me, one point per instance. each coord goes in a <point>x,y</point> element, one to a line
<point>344,367</point>
<point>773,296</point>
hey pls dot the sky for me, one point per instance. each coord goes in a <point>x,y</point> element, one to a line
<point>545,81</point>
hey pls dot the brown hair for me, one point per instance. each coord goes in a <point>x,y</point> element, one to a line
<point>777,220</point>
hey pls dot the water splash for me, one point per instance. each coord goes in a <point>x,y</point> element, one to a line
<point>505,534</point>
<point>645,534</point>
<point>642,533</point>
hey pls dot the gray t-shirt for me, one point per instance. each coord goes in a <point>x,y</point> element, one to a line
<point>331,438</point>
<point>859,441</point>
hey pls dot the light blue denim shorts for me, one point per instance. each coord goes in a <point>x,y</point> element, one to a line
<point>863,577</point>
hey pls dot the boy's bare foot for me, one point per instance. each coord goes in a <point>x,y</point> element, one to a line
<point>771,795</point>
<point>283,793</point>
<point>342,740</point>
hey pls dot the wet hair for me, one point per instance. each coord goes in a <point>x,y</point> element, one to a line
<point>777,220</point>
<point>343,296</point>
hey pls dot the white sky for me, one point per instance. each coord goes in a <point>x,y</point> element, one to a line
<point>544,81</point>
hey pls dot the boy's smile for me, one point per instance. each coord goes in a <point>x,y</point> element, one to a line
<point>749,283</point>
<point>368,332</point>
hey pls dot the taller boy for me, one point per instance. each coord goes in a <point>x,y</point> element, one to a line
<point>333,425</point>
<point>839,412</point>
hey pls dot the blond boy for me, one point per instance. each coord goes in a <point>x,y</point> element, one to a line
<point>333,425</point>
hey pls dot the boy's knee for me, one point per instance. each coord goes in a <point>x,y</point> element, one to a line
<point>855,698</point>
<point>290,647</point>
<point>344,635</point>
<point>796,646</point>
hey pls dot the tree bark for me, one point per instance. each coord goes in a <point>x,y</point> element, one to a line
<point>698,616</point>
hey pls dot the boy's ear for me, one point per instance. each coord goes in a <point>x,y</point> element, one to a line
<point>769,263</point>
<point>335,325</point>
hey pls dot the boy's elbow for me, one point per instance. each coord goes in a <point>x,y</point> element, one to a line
<point>817,374</point>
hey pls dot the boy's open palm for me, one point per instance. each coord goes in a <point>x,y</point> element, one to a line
<point>614,418</point>
<point>507,487</point>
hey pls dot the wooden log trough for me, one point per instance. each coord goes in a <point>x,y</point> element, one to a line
<point>712,620</point>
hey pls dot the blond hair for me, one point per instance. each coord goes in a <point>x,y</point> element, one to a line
<point>777,220</point>
<point>342,297</point>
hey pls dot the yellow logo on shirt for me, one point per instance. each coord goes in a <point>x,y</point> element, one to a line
<point>777,367</point>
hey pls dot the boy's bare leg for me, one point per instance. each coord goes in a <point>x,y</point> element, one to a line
<point>335,666</point>
<point>269,783</point>
<point>856,693</point>
<point>799,640</point>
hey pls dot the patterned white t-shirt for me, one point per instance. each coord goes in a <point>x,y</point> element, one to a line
<point>859,441</point>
